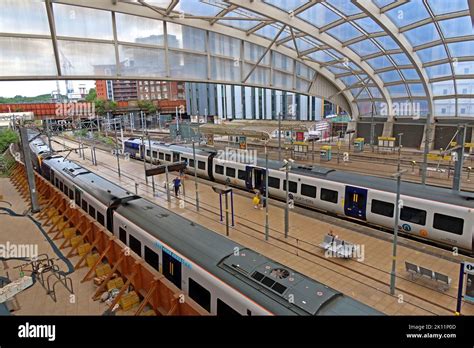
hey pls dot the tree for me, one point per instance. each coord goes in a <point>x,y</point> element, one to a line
<point>147,106</point>
<point>91,96</point>
<point>7,137</point>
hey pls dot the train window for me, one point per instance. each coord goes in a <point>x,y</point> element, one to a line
<point>91,211</point>
<point>135,245</point>
<point>148,153</point>
<point>161,155</point>
<point>448,223</point>
<point>84,205</point>
<point>201,165</point>
<point>413,215</point>
<point>329,195</point>
<point>152,258</point>
<point>191,163</point>
<point>308,190</point>
<point>200,294</point>
<point>273,182</point>
<point>66,190</point>
<point>155,154</point>
<point>100,219</point>
<point>225,310</point>
<point>242,174</point>
<point>382,208</point>
<point>71,194</point>
<point>219,169</point>
<point>230,172</point>
<point>168,157</point>
<point>249,312</point>
<point>56,182</point>
<point>123,235</point>
<point>61,187</point>
<point>292,188</point>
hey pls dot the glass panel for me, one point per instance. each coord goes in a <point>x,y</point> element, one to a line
<point>445,107</point>
<point>187,65</point>
<point>401,59</point>
<point>181,36</point>
<point>375,92</point>
<point>24,17</point>
<point>304,71</point>
<point>364,48</point>
<point>438,70</point>
<point>282,80</point>
<point>259,76</point>
<point>349,80</point>
<point>269,31</point>
<point>282,62</point>
<point>86,58</point>
<point>465,86</point>
<point>417,89</point>
<point>379,62</point>
<point>224,69</point>
<point>344,32</point>
<point>368,25</point>
<point>465,107</point>
<point>224,45</point>
<point>26,57</point>
<point>464,68</point>
<point>397,91</point>
<point>432,53</point>
<point>443,6</point>
<point>382,3</point>
<point>240,24</point>
<point>411,12</point>
<point>462,49</point>
<point>137,61</point>
<point>286,5</point>
<point>457,27</point>
<point>319,15</point>
<point>443,88</point>
<point>344,6</point>
<point>321,56</point>
<point>198,7</point>
<point>82,22</point>
<point>302,85</point>
<point>254,52</point>
<point>390,76</point>
<point>139,29</point>
<point>387,43</point>
<point>421,35</point>
<point>410,74</point>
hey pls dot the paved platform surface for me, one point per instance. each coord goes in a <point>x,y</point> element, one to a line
<point>34,300</point>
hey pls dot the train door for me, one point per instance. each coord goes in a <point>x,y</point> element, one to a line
<point>77,195</point>
<point>355,202</point>
<point>248,179</point>
<point>142,152</point>
<point>259,179</point>
<point>175,157</point>
<point>172,269</point>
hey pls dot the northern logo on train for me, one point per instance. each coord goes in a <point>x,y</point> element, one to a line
<point>406,227</point>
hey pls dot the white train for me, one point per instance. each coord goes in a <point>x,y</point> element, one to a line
<point>430,213</point>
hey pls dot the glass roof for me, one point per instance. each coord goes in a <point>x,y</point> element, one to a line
<point>380,50</point>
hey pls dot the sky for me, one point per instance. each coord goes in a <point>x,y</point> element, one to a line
<point>10,89</point>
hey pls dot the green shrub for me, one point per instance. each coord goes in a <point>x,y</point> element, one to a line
<point>7,137</point>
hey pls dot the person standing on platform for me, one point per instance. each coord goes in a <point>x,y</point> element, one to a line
<point>256,200</point>
<point>176,185</point>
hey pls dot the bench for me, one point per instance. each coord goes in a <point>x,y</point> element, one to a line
<point>338,246</point>
<point>415,271</point>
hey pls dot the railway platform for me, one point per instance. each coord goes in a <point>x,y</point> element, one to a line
<point>365,278</point>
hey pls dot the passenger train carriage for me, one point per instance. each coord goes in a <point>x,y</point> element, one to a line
<point>222,276</point>
<point>428,212</point>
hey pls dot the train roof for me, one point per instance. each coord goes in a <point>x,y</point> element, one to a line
<point>215,253</point>
<point>428,192</point>
<point>104,190</point>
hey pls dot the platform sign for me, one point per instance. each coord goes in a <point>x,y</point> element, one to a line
<point>243,143</point>
<point>300,136</point>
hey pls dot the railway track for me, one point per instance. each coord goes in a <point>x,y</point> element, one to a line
<point>362,273</point>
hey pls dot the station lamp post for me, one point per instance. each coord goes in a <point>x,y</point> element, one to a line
<point>287,168</point>
<point>398,176</point>
<point>399,150</point>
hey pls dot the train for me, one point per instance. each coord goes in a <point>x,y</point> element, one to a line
<point>429,213</point>
<point>222,276</point>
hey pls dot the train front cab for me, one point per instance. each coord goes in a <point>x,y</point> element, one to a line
<point>355,202</point>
